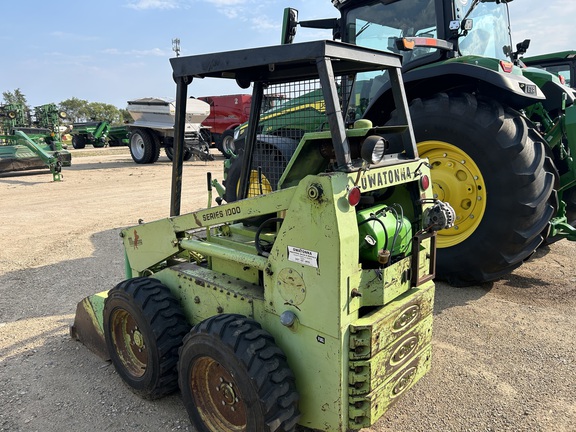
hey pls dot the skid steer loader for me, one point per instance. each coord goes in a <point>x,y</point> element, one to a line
<point>311,305</point>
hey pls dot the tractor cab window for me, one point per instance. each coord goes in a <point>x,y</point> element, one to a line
<point>490,34</point>
<point>378,26</point>
<point>562,71</point>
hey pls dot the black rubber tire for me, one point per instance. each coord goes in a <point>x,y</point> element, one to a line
<point>143,147</point>
<point>157,146</point>
<point>170,153</point>
<point>272,162</point>
<point>254,388</point>
<point>158,327</point>
<point>520,196</point>
<point>226,143</point>
<point>78,142</point>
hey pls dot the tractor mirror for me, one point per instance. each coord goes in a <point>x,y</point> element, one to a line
<point>289,24</point>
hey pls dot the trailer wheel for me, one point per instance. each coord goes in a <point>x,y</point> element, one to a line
<point>233,377</point>
<point>227,146</point>
<point>143,147</point>
<point>170,153</point>
<point>78,142</point>
<point>491,168</point>
<point>144,327</point>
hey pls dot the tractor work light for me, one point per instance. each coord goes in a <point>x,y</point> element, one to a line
<point>373,149</point>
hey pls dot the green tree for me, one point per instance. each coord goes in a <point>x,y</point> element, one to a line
<point>75,108</point>
<point>100,111</point>
<point>15,97</point>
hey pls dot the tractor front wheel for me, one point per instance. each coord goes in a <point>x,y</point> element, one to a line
<point>491,167</point>
<point>233,377</point>
<point>144,326</point>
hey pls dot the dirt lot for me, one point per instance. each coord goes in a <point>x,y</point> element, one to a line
<point>504,355</point>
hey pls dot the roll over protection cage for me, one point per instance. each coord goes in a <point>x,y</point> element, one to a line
<point>286,63</point>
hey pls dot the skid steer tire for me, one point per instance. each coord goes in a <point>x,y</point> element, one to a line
<point>143,148</point>
<point>491,167</point>
<point>233,377</point>
<point>144,326</point>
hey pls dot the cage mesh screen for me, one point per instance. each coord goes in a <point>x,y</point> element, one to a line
<point>289,111</point>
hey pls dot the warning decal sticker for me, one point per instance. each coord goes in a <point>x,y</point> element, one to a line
<point>303,256</point>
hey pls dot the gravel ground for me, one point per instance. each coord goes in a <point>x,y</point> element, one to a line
<point>504,357</point>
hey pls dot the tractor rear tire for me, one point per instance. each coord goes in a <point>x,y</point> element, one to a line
<point>272,163</point>
<point>233,377</point>
<point>144,326</point>
<point>491,167</point>
<point>143,147</point>
<point>78,142</point>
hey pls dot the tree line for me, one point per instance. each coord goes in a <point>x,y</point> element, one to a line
<point>77,110</point>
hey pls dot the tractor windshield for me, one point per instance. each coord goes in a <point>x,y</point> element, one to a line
<point>490,34</point>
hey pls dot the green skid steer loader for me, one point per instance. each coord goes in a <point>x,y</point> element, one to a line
<point>311,305</point>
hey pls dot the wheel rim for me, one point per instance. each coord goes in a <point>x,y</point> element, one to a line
<point>228,145</point>
<point>254,187</point>
<point>216,396</point>
<point>137,146</point>
<point>129,343</point>
<point>457,180</point>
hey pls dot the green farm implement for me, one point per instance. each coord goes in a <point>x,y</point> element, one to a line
<point>31,145</point>
<point>92,132</point>
<point>310,305</point>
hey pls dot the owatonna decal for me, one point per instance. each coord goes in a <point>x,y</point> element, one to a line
<point>383,178</point>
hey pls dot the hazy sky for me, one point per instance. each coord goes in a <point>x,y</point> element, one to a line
<point>112,51</point>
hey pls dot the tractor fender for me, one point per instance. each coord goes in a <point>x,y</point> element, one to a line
<point>513,90</point>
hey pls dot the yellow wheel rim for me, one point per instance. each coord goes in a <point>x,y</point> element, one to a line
<point>254,188</point>
<point>457,180</point>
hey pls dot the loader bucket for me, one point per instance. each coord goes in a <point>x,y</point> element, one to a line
<point>88,326</point>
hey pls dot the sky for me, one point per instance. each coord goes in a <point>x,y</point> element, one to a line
<point>112,51</point>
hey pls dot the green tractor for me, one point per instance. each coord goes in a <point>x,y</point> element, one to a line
<point>561,63</point>
<point>310,305</point>
<point>31,144</point>
<point>500,137</point>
